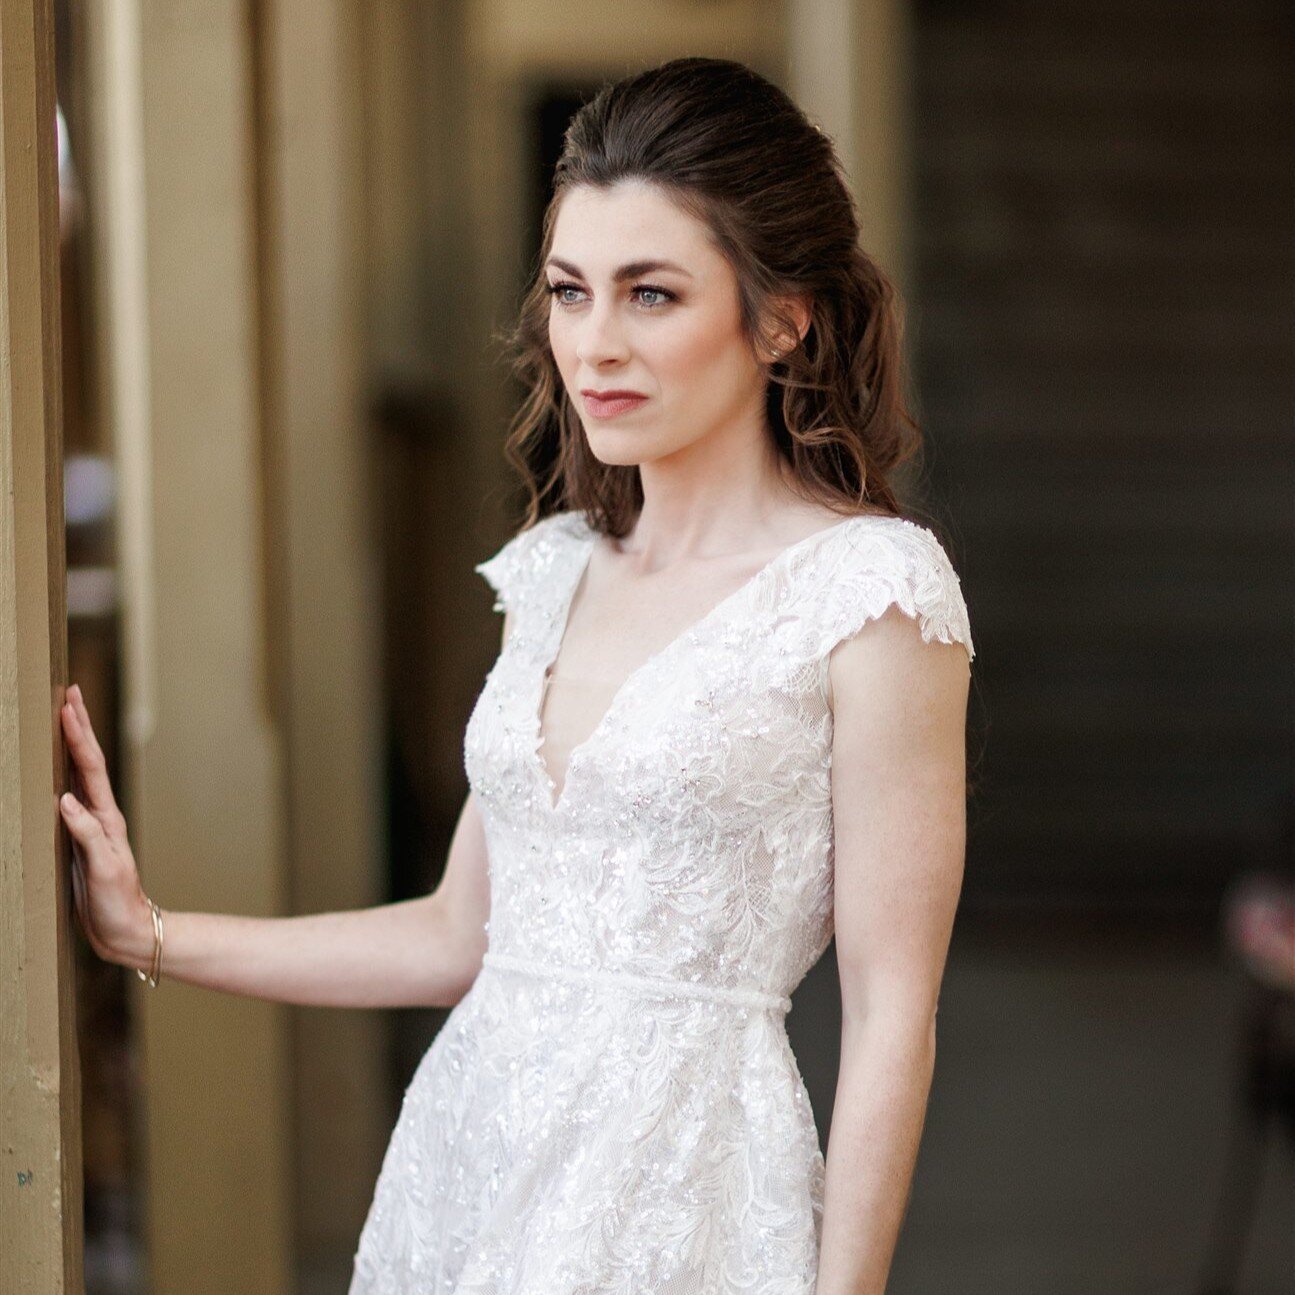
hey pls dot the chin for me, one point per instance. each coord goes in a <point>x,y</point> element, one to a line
<point>630,445</point>
<point>624,459</point>
<point>617,450</point>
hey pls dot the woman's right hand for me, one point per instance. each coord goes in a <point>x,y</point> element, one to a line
<point>110,902</point>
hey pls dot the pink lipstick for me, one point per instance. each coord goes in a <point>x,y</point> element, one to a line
<point>611,404</point>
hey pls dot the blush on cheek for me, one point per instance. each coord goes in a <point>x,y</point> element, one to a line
<point>562,355</point>
<point>706,366</point>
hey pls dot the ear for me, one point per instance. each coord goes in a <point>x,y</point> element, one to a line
<point>787,313</point>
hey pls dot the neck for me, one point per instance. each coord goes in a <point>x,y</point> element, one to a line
<point>715,496</point>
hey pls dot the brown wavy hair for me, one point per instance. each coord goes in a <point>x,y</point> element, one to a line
<point>735,151</point>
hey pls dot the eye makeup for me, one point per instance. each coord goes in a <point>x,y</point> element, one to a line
<point>556,289</point>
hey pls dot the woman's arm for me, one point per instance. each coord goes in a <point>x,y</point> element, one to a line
<point>419,952</point>
<point>899,811</point>
<point>422,952</point>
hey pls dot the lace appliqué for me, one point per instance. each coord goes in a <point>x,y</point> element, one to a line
<point>613,1108</point>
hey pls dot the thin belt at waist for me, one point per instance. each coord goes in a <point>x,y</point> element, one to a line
<point>633,982</point>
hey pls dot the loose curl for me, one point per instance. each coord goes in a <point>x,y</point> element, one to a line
<point>736,152</point>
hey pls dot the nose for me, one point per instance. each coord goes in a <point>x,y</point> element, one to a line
<point>601,338</point>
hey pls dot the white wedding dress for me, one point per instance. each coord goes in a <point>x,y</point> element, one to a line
<point>613,1108</point>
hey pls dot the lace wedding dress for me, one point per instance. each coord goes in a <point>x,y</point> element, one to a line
<point>613,1107</point>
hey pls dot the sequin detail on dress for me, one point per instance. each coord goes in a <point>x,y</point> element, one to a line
<point>613,1108</point>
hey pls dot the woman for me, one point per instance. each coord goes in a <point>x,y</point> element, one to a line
<point>727,719</point>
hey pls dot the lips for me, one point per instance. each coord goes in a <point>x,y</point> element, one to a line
<point>610,404</point>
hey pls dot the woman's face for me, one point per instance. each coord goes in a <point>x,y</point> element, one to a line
<point>643,302</point>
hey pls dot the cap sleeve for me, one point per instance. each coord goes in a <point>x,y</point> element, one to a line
<point>523,560</point>
<point>895,563</point>
<point>503,570</point>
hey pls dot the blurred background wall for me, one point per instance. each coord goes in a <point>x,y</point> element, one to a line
<point>1103,228</point>
<point>294,230</point>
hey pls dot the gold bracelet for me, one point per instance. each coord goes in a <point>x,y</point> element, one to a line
<point>157,966</point>
<point>154,973</point>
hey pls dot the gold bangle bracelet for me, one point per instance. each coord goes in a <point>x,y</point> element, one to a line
<point>157,963</point>
<point>154,973</point>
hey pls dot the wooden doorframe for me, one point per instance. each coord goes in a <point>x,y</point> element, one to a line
<point>40,1082</point>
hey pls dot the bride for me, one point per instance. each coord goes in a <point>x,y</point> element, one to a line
<point>725,725</point>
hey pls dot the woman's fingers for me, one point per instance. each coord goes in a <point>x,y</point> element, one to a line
<point>96,874</point>
<point>83,716</point>
<point>109,902</point>
<point>100,859</point>
<point>88,755</point>
<point>86,829</point>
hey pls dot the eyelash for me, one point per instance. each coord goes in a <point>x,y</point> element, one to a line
<point>555,288</point>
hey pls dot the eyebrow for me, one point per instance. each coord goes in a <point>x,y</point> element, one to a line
<point>631,270</point>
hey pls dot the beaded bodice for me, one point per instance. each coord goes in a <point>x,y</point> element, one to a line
<point>613,1107</point>
<point>692,839</point>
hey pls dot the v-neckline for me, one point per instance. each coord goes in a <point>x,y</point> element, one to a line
<point>553,798</point>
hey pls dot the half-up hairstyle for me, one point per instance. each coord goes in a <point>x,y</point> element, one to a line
<point>734,151</point>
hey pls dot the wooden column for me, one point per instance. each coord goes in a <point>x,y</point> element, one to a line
<point>175,204</point>
<point>40,1090</point>
<point>324,575</point>
<point>849,67</point>
<point>230,182</point>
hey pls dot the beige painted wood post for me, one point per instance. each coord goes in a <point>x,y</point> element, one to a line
<point>230,194</point>
<point>40,1088</point>
<point>313,168</point>
<point>848,66</point>
<point>175,209</point>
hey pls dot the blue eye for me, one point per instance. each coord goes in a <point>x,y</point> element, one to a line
<point>556,289</point>
<point>657,292</point>
<point>663,296</point>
